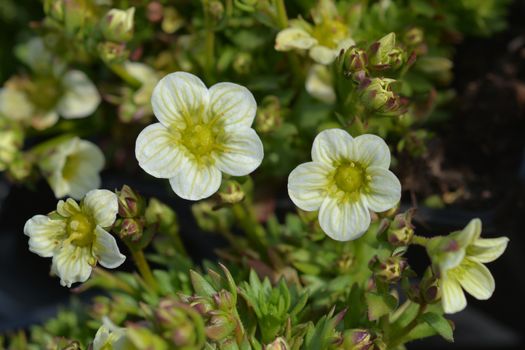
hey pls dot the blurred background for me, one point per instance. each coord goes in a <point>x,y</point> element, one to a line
<point>478,155</point>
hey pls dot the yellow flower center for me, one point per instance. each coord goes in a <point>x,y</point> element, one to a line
<point>349,177</point>
<point>329,33</point>
<point>198,139</point>
<point>81,230</point>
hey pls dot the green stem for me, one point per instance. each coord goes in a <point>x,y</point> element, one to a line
<point>247,221</point>
<point>119,70</point>
<point>420,240</point>
<point>282,17</point>
<point>144,269</point>
<point>209,59</point>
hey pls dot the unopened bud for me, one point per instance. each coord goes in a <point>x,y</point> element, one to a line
<point>111,52</point>
<point>20,168</point>
<point>357,339</point>
<point>390,269</point>
<point>413,37</point>
<point>129,228</point>
<point>242,63</point>
<point>177,321</point>
<point>130,203</point>
<point>269,115</point>
<point>224,300</point>
<point>11,141</point>
<point>277,344</point>
<point>384,54</point>
<point>216,10</point>
<point>220,326</point>
<point>117,25</point>
<point>377,95</point>
<point>401,230</point>
<point>231,193</point>
<point>356,60</point>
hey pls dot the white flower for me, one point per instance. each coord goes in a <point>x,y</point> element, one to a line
<point>117,25</point>
<point>458,261</point>
<point>40,101</point>
<point>75,236</point>
<point>14,104</point>
<point>324,40</point>
<point>72,167</point>
<point>319,83</point>
<point>347,177</point>
<point>202,132</point>
<point>111,337</point>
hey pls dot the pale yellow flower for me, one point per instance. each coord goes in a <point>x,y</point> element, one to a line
<point>75,236</point>
<point>201,134</point>
<point>72,167</point>
<point>319,83</point>
<point>347,178</point>
<point>458,261</point>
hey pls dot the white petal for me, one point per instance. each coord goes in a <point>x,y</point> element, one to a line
<point>196,181</point>
<point>232,105</point>
<point>101,338</point>
<point>371,150</point>
<point>81,97</point>
<point>452,296</point>
<point>486,250</point>
<point>476,279</point>
<point>102,205</point>
<point>307,185</point>
<point>343,221</point>
<point>322,54</point>
<point>158,153</point>
<point>106,250</point>
<point>67,208</point>
<point>71,264</point>
<point>84,165</point>
<point>15,104</point>
<point>294,38</point>
<point>44,120</point>
<point>178,96</point>
<point>331,146</point>
<point>319,84</point>
<point>244,152</point>
<point>469,234</point>
<point>384,187</point>
<point>45,235</point>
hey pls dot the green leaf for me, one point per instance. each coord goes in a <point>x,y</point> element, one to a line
<point>201,286</point>
<point>379,305</point>
<point>440,324</point>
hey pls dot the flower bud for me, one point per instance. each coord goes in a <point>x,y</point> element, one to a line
<point>231,192</point>
<point>277,344</point>
<point>111,52</point>
<point>220,326</point>
<point>357,339</point>
<point>377,95</point>
<point>269,115</point>
<point>178,322</point>
<point>413,37</point>
<point>20,168</point>
<point>215,9</point>
<point>11,141</point>
<point>172,20</point>
<point>356,60</point>
<point>389,270</point>
<point>401,230</point>
<point>224,300</point>
<point>117,25</point>
<point>384,54</point>
<point>130,203</point>
<point>242,63</point>
<point>129,228</point>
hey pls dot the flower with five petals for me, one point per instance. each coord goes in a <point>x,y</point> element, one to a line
<point>201,134</point>
<point>75,236</point>
<point>347,177</point>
